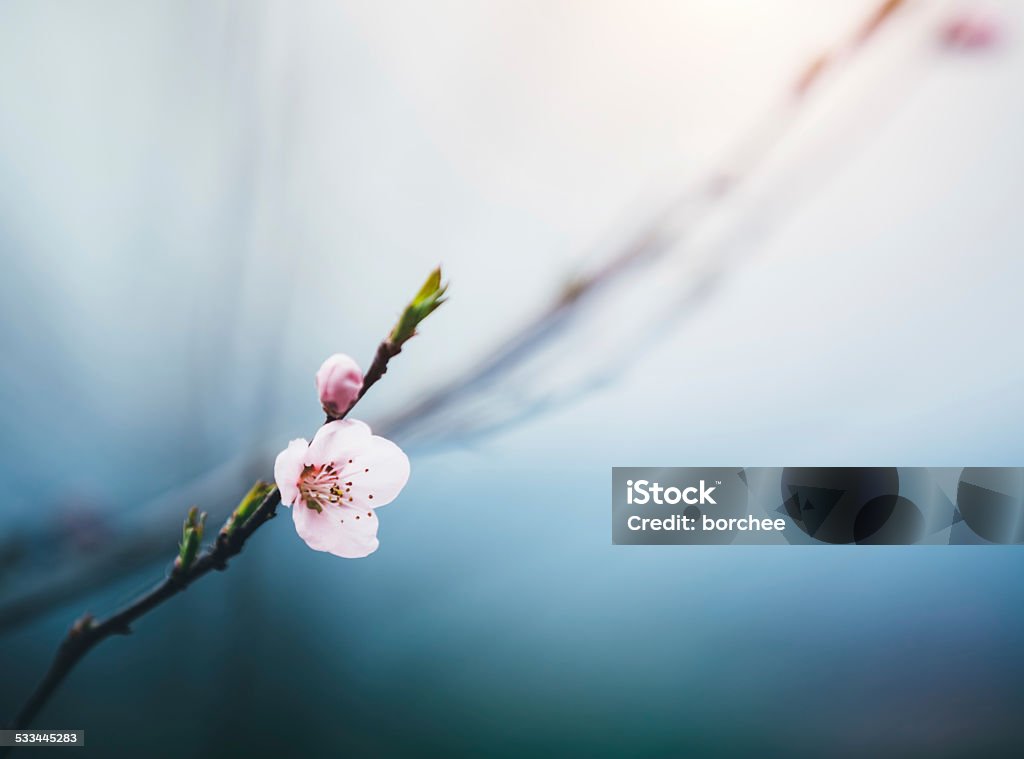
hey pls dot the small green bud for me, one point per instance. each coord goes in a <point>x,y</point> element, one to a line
<point>426,301</point>
<point>249,503</point>
<point>191,538</point>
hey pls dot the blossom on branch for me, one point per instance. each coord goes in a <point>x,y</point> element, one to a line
<point>336,483</point>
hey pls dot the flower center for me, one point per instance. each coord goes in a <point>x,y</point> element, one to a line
<point>320,486</point>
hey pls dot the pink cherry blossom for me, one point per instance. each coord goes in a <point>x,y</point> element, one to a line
<point>338,381</point>
<point>337,482</point>
<point>971,31</point>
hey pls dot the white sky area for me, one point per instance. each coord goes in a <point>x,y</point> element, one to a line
<point>199,201</point>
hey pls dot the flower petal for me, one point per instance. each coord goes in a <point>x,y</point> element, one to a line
<point>333,440</point>
<point>288,468</point>
<point>340,530</point>
<point>376,475</point>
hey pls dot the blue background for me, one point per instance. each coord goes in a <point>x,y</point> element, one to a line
<point>200,201</point>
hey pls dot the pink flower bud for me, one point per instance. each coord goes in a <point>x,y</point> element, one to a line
<point>338,382</point>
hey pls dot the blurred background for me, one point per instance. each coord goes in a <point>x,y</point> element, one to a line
<point>703,232</point>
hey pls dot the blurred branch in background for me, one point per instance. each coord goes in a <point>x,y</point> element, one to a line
<point>677,256</point>
<point>679,253</point>
<point>89,552</point>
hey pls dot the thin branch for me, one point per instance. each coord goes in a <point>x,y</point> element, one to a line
<point>385,352</point>
<point>87,632</point>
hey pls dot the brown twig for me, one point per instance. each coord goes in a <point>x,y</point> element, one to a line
<point>86,633</point>
<point>386,351</point>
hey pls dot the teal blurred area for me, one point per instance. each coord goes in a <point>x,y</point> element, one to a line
<point>199,201</point>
